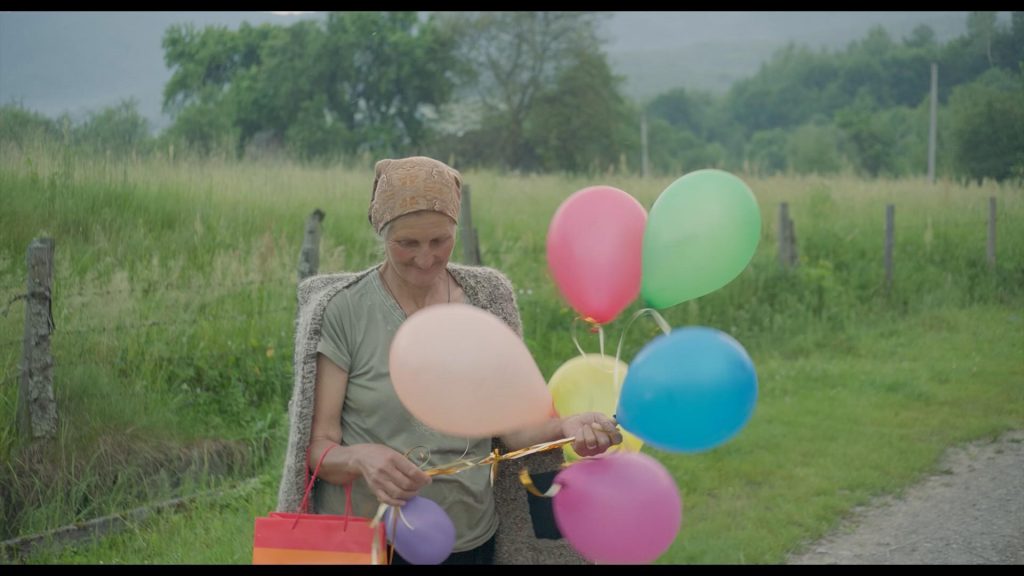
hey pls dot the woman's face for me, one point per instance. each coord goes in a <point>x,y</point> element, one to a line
<point>419,246</point>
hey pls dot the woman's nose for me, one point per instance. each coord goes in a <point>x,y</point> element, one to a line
<point>424,259</point>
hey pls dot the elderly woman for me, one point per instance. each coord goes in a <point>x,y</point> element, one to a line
<point>344,403</point>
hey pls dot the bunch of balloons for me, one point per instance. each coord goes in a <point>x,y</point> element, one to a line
<point>603,249</point>
<point>689,390</point>
<point>693,388</point>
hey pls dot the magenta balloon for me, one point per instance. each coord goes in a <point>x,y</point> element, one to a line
<point>621,508</point>
<point>595,249</point>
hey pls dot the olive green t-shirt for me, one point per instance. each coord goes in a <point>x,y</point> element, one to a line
<point>358,327</point>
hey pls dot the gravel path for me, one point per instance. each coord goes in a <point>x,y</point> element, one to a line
<point>971,513</point>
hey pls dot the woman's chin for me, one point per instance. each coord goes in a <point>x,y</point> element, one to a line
<point>421,278</point>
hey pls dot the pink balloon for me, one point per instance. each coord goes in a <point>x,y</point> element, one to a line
<point>462,371</point>
<point>594,249</point>
<point>621,508</point>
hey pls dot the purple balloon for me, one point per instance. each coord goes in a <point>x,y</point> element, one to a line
<point>432,536</point>
<point>620,508</point>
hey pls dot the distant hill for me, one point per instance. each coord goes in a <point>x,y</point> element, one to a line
<point>658,51</point>
<point>77,62</point>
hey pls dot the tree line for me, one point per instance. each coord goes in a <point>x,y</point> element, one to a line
<point>534,92</point>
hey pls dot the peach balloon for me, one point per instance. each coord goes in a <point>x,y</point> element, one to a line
<point>462,371</point>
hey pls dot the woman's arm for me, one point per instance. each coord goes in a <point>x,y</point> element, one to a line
<point>391,476</point>
<point>594,433</point>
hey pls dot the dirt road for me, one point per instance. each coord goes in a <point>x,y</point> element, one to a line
<point>972,512</point>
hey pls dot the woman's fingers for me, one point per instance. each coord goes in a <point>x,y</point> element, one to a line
<point>389,494</point>
<point>586,441</point>
<point>608,428</point>
<point>597,436</point>
<point>604,439</point>
<point>397,484</point>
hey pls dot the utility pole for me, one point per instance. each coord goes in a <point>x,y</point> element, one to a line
<point>644,166</point>
<point>931,127</point>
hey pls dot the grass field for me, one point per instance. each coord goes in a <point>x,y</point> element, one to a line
<point>174,307</point>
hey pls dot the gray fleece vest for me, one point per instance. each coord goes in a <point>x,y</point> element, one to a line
<point>485,288</point>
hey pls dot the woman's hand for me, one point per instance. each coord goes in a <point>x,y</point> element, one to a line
<point>594,432</point>
<point>393,478</point>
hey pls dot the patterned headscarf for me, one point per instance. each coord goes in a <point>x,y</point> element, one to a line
<point>412,184</point>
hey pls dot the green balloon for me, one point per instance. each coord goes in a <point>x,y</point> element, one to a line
<point>701,233</point>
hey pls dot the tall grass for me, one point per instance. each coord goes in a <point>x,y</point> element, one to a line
<point>174,306</point>
<point>862,415</point>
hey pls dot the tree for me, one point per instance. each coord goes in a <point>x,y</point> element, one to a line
<point>981,27</point>
<point>988,126</point>
<point>206,66</point>
<point>923,36</point>
<point>788,90</point>
<point>814,149</point>
<point>21,126</point>
<point>204,62</point>
<point>370,79</point>
<point>514,57</point>
<point>388,71</point>
<point>116,129</point>
<point>204,128</point>
<point>693,111</point>
<point>870,142</point>
<point>1008,44</point>
<point>582,123</point>
<point>767,152</point>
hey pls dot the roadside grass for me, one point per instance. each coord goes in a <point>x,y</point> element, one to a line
<point>832,429</point>
<point>174,295</point>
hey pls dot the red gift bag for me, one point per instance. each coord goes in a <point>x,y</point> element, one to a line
<point>289,538</point>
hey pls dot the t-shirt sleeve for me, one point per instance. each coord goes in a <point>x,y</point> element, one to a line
<point>334,341</point>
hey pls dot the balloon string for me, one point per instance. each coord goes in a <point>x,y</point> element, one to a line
<point>525,480</point>
<point>396,514</point>
<point>594,327</point>
<point>424,455</point>
<point>658,319</point>
<point>575,340</point>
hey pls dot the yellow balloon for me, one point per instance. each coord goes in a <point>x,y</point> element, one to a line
<point>590,383</point>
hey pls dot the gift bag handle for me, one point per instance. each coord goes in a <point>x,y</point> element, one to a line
<point>304,507</point>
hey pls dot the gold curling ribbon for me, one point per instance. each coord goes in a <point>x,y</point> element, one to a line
<point>492,460</point>
<point>495,457</point>
<point>525,480</point>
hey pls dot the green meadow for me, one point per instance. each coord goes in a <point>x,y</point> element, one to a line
<point>174,304</point>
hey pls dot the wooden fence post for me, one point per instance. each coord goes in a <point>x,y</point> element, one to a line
<point>991,252</point>
<point>309,256</point>
<point>890,217</point>
<point>787,238</point>
<point>37,408</point>
<point>791,238</point>
<point>470,242</point>
<point>782,230</point>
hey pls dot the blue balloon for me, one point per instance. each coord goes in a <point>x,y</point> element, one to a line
<point>688,391</point>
